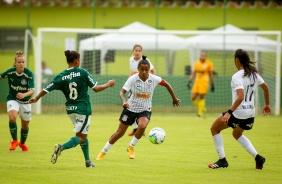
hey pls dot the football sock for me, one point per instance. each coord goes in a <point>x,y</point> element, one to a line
<point>24,134</point>
<point>133,141</point>
<point>85,149</point>
<point>196,102</point>
<point>107,147</point>
<point>13,130</point>
<point>73,142</point>
<point>201,107</point>
<point>218,142</point>
<point>246,143</point>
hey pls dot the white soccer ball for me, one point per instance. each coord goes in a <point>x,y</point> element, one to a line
<point>157,135</point>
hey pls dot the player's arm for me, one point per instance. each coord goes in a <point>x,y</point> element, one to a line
<point>153,71</point>
<point>266,109</point>
<point>23,95</point>
<point>37,97</point>
<point>123,99</point>
<point>176,101</point>
<point>212,80</point>
<point>99,88</point>
<point>192,76</point>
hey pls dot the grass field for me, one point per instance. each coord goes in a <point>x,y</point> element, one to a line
<point>182,158</point>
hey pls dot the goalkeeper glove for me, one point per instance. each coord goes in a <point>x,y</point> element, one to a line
<point>212,87</point>
<point>189,84</point>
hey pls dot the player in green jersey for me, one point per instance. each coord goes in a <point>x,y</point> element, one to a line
<point>74,83</point>
<point>21,88</point>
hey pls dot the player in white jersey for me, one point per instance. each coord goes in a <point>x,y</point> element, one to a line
<point>21,88</point>
<point>138,107</point>
<point>133,63</point>
<point>240,116</point>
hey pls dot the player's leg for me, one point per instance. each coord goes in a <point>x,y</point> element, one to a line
<point>25,114</point>
<point>203,89</point>
<point>246,143</point>
<point>143,121</point>
<point>116,136</point>
<point>135,127</point>
<point>12,109</point>
<point>216,128</point>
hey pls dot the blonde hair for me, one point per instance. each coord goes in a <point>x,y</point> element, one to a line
<point>19,53</point>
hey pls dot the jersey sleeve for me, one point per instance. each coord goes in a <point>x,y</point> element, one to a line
<point>237,83</point>
<point>31,81</point>
<point>90,80</point>
<point>127,85</point>
<point>260,79</point>
<point>54,84</point>
<point>4,74</point>
<point>210,66</point>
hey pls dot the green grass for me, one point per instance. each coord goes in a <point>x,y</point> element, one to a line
<point>182,158</point>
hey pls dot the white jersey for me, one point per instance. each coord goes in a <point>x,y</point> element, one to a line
<point>134,64</point>
<point>247,108</point>
<point>142,92</point>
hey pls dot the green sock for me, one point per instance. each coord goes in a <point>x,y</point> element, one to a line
<point>73,142</point>
<point>85,149</point>
<point>24,134</point>
<point>13,130</point>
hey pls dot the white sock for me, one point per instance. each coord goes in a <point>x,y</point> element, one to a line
<point>218,142</point>
<point>107,147</point>
<point>246,143</point>
<point>135,125</point>
<point>134,141</point>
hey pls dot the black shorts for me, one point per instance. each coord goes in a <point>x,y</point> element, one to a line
<point>246,124</point>
<point>128,118</point>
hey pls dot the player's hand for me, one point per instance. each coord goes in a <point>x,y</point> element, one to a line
<point>225,118</point>
<point>33,100</point>
<point>189,84</point>
<point>176,102</point>
<point>125,105</point>
<point>111,83</point>
<point>20,96</point>
<point>212,87</point>
<point>266,110</point>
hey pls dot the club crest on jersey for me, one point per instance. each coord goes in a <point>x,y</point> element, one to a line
<point>124,118</point>
<point>23,82</point>
<point>150,81</point>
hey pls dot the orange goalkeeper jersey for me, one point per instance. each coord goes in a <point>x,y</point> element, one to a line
<point>202,70</point>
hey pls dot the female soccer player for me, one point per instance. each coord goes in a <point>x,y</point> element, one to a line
<point>74,83</point>
<point>240,116</point>
<point>21,88</point>
<point>139,105</point>
<point>203,71</point>
<point>133,63</point>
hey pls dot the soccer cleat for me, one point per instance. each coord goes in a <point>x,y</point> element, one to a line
<point>14,145</point>
<point>130,151</point>
<point>88,164</point>
<point>24,147</point>
<point>259,161</point>
<point>57,152</point>
<point>218,164</point>
<point>101,156</point>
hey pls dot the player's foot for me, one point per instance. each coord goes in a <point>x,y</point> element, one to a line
<point>14,145</point>
<point>24,147</point>
<point>199,116</point>
<point>88,164</point>
<point>57,152</point>
<point>259,161</point>
<point>130,151</point>
<point>218,164</point>
<point>101,156</point>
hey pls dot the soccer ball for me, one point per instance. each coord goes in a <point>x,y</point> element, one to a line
<point>157,135</point>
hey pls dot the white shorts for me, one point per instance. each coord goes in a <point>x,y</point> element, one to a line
<point>23,109</point>
<point>80,122</point>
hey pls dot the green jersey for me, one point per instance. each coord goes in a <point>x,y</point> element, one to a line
<point>18,83</point>
<point>74,83</point>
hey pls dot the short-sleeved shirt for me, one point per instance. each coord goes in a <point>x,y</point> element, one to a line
<point>18,83</point>
<point>142,92</point>
<point>202,70</point>
<point>247,108</point>
<point>134,64</point>
<point>74,83</point>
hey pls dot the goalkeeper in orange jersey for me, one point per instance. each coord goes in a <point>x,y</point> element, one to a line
<point>203,71</point>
